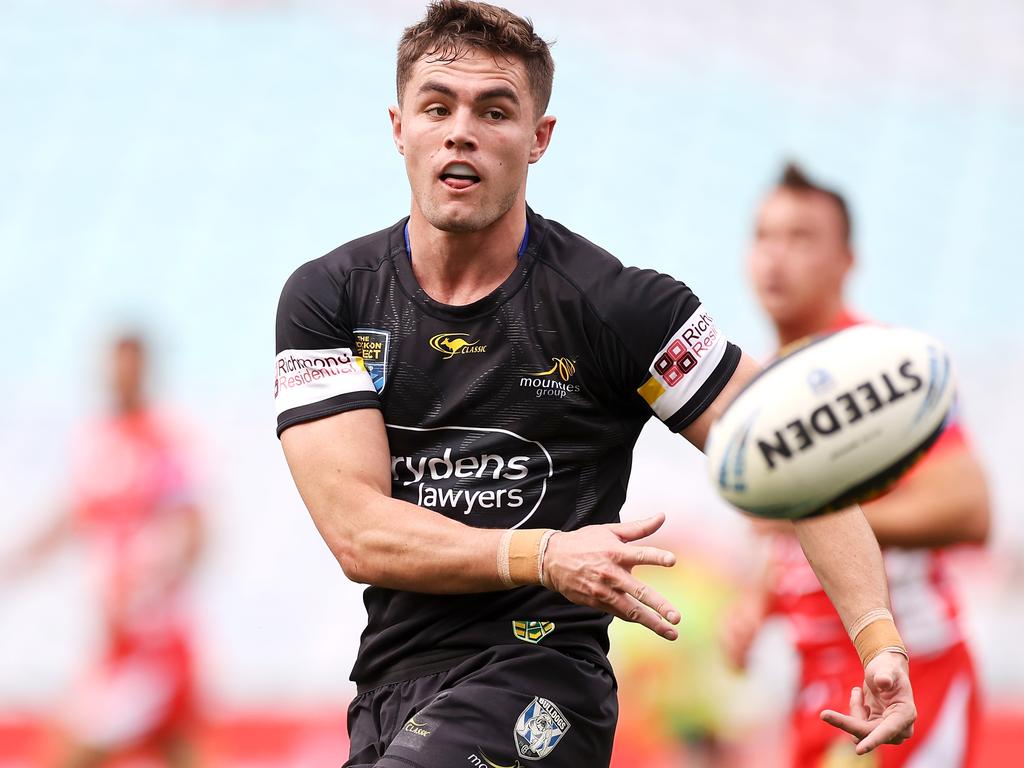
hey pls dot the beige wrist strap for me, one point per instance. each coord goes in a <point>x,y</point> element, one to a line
<point>875,633</point>
<point>520,556</point>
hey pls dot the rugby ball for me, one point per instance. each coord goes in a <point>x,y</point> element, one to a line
<point>833,422</point>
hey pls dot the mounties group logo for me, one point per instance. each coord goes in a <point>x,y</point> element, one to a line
<point>493,473</point>
<point>452,344</point>
<point>479,759</point>
<point>372,346</point>
<point>556,381</point>
<point>563,367</point>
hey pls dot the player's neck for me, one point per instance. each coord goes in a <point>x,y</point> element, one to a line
<point>458,268</point>
<point>128,407</point>
<point>823,319</point>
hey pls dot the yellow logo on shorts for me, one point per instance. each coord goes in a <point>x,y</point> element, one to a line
<point>420,729</point>
<point>532,631</point>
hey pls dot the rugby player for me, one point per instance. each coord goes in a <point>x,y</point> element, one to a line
<point>458,397</point>
<point>799,262</point>
<point>133,503</point>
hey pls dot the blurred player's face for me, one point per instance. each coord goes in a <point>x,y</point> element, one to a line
<point>468,130</point>
<point>799,257</point>
<point>128,370</point>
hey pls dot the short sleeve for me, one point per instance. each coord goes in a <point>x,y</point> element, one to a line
<point>317,374</point>
<point>671,352</point>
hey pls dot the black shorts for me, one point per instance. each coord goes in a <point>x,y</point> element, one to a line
<point>507,706</point>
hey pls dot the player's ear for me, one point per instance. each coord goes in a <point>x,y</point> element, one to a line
<point>542,137</point>
<point>396,128</point>
<point>850,260</point>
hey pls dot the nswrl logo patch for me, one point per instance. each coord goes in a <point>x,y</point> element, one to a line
<point>532,631</point>
<point>539,729</point>
<point>372,346</point>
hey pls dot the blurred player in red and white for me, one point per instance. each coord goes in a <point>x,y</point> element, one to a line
<point>799,262</point>
<point>132,503</point>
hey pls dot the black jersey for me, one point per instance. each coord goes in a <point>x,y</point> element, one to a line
<point>518,410</point>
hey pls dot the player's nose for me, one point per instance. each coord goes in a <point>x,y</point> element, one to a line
<point>460,131</point>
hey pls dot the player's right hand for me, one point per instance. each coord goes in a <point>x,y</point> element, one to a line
<point>593,566</point>
<point>883,711</point>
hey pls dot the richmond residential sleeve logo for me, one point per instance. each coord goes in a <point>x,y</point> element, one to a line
<point>452,344</point>
<point>684,364</point>
<point>307,376</point>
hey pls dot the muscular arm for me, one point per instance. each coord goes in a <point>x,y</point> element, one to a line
<point>341,467</point>
<point>844,554</point>
<point>943,502</point>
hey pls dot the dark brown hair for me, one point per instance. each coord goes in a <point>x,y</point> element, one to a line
<point>794,179</point>
<point>452,28</point>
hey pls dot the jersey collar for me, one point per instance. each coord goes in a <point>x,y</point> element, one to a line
<point>519,252</point>
<point>533,236</point>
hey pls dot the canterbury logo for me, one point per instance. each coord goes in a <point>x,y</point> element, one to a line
<point>452,344</point>
<point>563,366</point>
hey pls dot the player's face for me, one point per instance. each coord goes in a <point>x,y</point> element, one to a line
<point>799,257</point>
<point>468,131</point>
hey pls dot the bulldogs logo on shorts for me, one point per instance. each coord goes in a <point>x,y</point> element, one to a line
<point>539,729</point>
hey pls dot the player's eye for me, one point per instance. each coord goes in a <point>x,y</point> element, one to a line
<point>437,111</point>
<point>495,114</point>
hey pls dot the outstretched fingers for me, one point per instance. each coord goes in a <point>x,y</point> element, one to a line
<point>638,529</point>
<point>650,597</point>
<point>893,729</point>
<point>634,556</point>
<point>629,608</point>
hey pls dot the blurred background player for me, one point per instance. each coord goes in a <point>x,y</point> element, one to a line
<point>799,262</point>
<point>132,502</point>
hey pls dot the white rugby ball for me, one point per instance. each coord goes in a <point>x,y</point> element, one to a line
<point>833,422</point>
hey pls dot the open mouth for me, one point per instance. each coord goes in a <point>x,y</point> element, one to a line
<point>459,176</point>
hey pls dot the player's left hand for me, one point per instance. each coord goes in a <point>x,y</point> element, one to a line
<point>883,711</point>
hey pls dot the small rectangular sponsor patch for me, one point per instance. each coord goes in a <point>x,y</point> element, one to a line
<point>684,364</point>
<point>307,376</point>
<point>372,347</point>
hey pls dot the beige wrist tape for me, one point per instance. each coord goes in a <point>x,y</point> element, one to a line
<point>521,556</point>
<point>874,633</point>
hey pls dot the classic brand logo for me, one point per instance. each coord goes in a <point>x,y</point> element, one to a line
<point>420,729</point>
<point>452,344</point>
<point>532,631</point>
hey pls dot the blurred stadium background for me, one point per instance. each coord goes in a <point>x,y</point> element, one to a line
<point>166,164</point>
